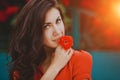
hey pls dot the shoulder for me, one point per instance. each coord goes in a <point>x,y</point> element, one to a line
<point>82,60</point>
<point>81,63</point>
<point>81,56</point>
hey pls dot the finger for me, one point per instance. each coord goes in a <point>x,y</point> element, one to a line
<point>70,52</point>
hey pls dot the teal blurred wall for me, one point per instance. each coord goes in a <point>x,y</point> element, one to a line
<point>3,66</point>
<point>106,65</point>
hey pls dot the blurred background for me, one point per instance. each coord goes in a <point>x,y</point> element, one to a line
<point>94,25</point>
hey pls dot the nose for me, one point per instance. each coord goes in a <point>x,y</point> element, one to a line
<point>56,31</point>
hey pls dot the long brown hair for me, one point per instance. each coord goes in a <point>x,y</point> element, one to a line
<point>26,47</point>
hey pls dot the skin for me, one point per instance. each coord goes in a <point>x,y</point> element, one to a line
<point>57,57</point>
<point>53,28</point>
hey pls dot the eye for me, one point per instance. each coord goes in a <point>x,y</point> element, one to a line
<point>46,27</point>
<point>58,20</point>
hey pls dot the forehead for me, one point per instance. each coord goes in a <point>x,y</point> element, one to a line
<point>52,15</point>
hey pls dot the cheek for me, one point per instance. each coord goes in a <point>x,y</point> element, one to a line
<point>63,28</point>
<point>47,35</point>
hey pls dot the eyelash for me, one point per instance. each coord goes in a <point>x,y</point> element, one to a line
<point>46,26</point>
<point>58,20</point>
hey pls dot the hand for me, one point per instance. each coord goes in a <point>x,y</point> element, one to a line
<point>61,57</point>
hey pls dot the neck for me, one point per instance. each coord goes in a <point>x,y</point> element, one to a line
<point>49,54</point>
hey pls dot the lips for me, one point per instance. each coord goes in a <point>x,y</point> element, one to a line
<point>55,40</point>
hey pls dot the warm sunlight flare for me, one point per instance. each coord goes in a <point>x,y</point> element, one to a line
<point>116,9</point>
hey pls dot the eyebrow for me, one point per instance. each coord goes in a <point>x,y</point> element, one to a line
<point>48,23</point>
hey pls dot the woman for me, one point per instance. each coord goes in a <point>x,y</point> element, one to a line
<point>34,48</point>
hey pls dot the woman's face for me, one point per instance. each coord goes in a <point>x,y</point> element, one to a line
<point>53,28</point>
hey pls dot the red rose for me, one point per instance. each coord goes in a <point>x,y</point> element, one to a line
<point>3,16</point>
<point>66,2</point>
<point>11,10</point>
<point>66,42</point>
<point>27,0</point>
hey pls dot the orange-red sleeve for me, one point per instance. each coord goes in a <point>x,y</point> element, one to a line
<point>82,66</point>
<point>15,75</point>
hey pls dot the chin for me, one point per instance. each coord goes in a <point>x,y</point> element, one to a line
<point>55,46</point>
<point>52,45</point>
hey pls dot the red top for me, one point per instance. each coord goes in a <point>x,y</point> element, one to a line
<point>78,68</point>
